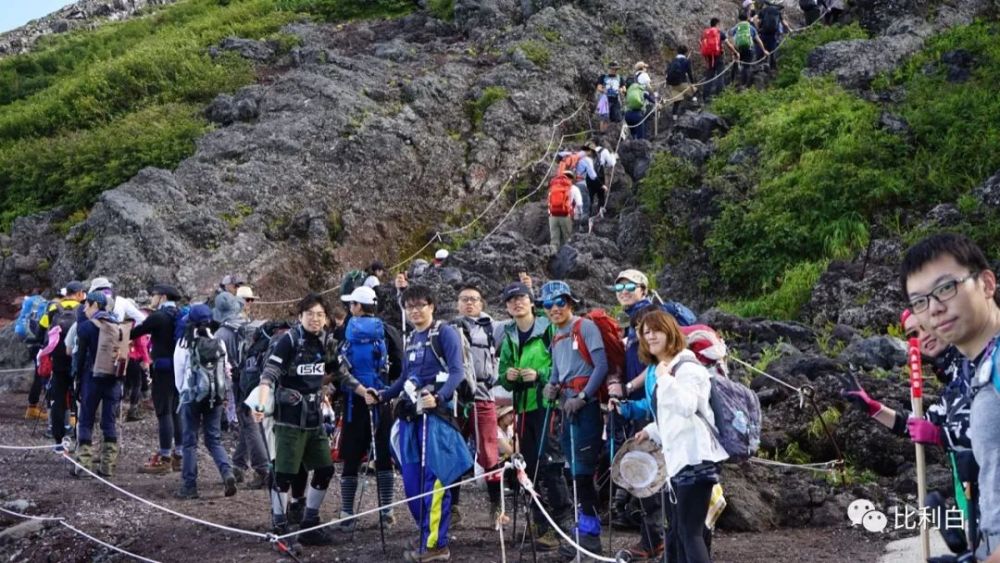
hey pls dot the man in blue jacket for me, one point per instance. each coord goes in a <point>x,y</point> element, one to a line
<point>430,449</point>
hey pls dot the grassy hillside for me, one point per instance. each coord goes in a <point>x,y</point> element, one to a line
<point>86,110</point>
<point>827,176</point>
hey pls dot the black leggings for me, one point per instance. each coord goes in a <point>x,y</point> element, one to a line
<point>134,376</point>
<point>60,399</point>
<point>356,437</point>
<point>687,522</point>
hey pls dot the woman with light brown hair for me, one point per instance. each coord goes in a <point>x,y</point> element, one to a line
<point>684,426</point>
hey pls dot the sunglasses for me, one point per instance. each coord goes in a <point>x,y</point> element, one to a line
<point>560,302</point>
<point>619,287</point>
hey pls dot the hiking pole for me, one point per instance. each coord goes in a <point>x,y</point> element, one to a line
<point>274,493</point>
<point>917,402</point>
<point>423,468</point>
<point>576,498</point>
<point>381,524</point>
<point>611,481</point>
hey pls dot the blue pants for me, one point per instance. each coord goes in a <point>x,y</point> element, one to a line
<point>587,425</point>
<point>431,513</point>
<point>194,415</point>
<point>103,391</point>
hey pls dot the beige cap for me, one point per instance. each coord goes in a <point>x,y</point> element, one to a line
<point>634,276</point>
<point>245,292</point>
<point>640,66</point>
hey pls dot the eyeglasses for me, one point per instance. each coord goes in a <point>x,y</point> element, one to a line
<point>941,293</point>
<point>314,314</point>
<point>469,299</point>
<point>630,286</point>
<point>415,306</point>
<point>560,302</point>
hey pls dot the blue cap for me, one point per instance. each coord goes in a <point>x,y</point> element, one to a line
<point>199,314</point>
<point>99,298</point>
<point>554,289</point>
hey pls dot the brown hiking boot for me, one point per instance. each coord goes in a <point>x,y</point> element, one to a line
<point>35,412</point>
<point>175,462</point>
<point>416,556</point>
<point>549,541</point>
<point>157,465</point>
<point>109,459</point>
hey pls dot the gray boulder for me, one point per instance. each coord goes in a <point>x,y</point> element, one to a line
<point>883,352</point>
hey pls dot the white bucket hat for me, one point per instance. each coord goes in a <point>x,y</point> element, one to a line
<point>640,468</point>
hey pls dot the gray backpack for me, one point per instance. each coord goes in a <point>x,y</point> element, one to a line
<point>737,416</point>
<point>207,372</point>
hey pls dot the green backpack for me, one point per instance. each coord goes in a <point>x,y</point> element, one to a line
<point>635,97</point>
<point>743,38</point>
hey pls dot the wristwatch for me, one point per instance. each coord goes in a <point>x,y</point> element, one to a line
<point>628,388</point>
<point>581,395</point>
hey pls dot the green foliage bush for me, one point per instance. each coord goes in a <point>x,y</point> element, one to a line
<point>490,96</point>
<point>666,173</point>
<point>795,50</point>
<point>536,52</point>
<point>794,291</point>
<point>336,10</point>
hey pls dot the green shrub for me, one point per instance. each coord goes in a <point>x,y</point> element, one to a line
<point>442,9</point>
<point>786,301</point>
<point>337,10</point>
<point>666,173</point>
<point>795,50</point>
<point>536,52</point>
<point>490,96</point>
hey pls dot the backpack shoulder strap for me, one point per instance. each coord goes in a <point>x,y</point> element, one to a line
<point>434,341</point>
<point>580,342</point>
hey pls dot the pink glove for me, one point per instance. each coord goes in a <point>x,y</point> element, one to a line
<point>923,432</point>
<point>855,393</point>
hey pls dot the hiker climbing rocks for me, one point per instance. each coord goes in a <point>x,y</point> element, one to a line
<point>575,383</point>
<point>637,98</point>
<point>742,39</point>
<point>611,85</point>
<point>525,365</point>
<point>161,325</point>
<point>811,10</point>
<point>713,42</point>
<point>772,25</point>
<point>365,357</point>
<point>201,375</point>
<point>565,203</point>
<point>430,449</point>
<point>102,351</point>
<point>680,80</point>
<point>294,374</point>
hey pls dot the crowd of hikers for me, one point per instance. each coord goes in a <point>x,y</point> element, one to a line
<point>571,392</point>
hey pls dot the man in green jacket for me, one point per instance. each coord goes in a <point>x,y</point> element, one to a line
<point>525,364</point>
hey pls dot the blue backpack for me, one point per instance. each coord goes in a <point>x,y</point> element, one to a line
<point>26,327</point>
<point>364,350</point>
<point>683,315</point>
<point>180,322</point>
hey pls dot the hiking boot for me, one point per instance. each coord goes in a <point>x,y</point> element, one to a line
<point>109,459</point>
<point>456,517</point>
<point>186,493</point>
<point>587,541</point>
<point>549,541</point>
<point>229,482</point>
<point>175,461</point>
<point>238,474</point>
<point>291,545</point>
<point>133,414</point>
<point>35,412</point>
<point>85,457</point>
<point>388,518</point>
<point>258,481</point>
<point>321,536</point>
<point>157,465</point>
<point>416,556</point>
<point>348,525</point>
<point>639,552</point>
<point>296,512</point>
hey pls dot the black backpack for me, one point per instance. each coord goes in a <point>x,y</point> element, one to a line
<point>770,20</point>
<point>675,72</point>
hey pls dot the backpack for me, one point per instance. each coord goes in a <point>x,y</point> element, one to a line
<point>743,38</point>
<point>807,5</point>
<point>113,340</point>
<point>180,321</point>
<point>64,318</point>
<point>568,162</point>
<point>736,407</point>
<point>26,327</point>
<point>365,350</point>
<point>770,20</point>
<point>675,72</point>
<point>680,313</point>
<point>206,372</point>
<point>253,359</point>
<point>560,197</point>
<point>351,280</point>
<point>466,391</point>
<point>635,97</point>
<point>396,350</point>
<point>614,345</point>
<point>242,332</point>
<point>711,42</point>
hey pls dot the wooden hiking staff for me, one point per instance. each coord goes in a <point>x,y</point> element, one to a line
<point>917,404</point>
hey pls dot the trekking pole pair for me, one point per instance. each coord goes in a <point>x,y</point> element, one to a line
<point>274,497</point>
<point>374,453</point>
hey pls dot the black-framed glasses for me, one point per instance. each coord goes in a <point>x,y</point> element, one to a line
<point>469,299</point>
<point>415,306</point>
<point>560,302</point>
<point>944,292</point>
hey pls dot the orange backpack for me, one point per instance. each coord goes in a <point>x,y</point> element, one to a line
<point>711,42</point>
<point>568,162</point>
<point>560,197</point>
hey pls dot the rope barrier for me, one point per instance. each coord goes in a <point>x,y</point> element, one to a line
<point>16,370</point>
<point>46,447</point>
<point>798,390</point>
<point>62,521</point>
<point>825,467</point>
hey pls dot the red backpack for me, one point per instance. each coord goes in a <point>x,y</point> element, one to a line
<point>711,42</point>
<point>614,346</point>
<point>560,197</point>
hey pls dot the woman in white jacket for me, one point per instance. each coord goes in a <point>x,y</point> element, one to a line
<point>685,428</point>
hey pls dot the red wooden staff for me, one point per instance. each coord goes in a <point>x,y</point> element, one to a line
<point>917,404</point>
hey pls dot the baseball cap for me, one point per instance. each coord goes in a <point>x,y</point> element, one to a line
<point>75,287</point>
<point>99,298</point>
<point>557,288</point>
<point>245,292</point>
<point>441,254</point>
<point>515,289</point>
<point>634,276</point>
<point>100,283</point>
<point>200,314</point>
<point>362,295</point>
